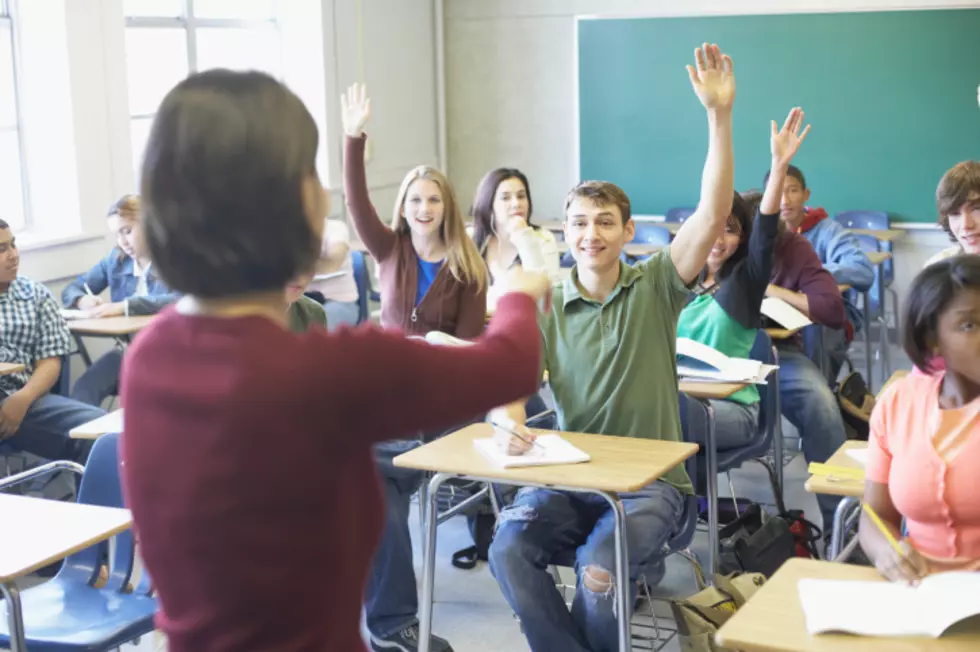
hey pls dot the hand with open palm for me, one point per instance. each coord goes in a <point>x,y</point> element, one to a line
<point>713,78</point>
<point>785,142</point>
<point>355,110</point>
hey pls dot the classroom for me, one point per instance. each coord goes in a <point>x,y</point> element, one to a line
<point>438,324</point>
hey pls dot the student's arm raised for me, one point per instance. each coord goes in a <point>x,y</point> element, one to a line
<point>714,83</point>
<point>355,111</point>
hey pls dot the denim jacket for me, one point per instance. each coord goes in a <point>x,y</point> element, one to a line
<point>115,272</point>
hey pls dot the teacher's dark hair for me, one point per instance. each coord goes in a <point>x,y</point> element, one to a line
<point>222,181</point>
<point>930,294</point>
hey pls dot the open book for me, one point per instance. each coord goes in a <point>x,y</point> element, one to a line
<point>784,314</point>
<point>696,361</point>
<point>549,450</point>
<point>890,608</point>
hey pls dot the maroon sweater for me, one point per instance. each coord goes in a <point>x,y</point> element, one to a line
<point>449,306</point>
<point>247,463</point>
<point>798,268</point>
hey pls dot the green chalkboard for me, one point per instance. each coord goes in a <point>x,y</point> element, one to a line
<point>892,97</point>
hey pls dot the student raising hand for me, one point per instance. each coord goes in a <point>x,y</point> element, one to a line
<point>713,78</point>
<point>355,110</point>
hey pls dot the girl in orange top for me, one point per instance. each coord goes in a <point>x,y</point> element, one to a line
<point>924,449</point>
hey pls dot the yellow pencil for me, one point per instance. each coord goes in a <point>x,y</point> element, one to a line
<point>884,529</point>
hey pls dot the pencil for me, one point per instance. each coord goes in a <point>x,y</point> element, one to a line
<point>532,444</point>
<point>88,290</point>
<point>884,529</point>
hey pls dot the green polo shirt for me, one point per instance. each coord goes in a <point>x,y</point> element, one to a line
<point>304,314</point>
<point>612,365</point>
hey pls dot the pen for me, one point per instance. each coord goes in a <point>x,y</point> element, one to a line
<point>884,529</point>
<point>88,290</point>
<point>513,432</point>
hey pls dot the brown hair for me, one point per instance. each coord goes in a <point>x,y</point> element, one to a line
<point>486,192</point>
<point>960,184</point>
<point>464,261</point>
<point>601,193</point>
<point>126,207</point>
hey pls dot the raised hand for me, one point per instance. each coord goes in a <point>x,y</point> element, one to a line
<point>713,78</point>
<point>785,142</point>
<point>355,110</point>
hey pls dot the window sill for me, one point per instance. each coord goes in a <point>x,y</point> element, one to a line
<point>42,241</point>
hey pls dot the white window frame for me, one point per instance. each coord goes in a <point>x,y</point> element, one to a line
<point>7,16</point>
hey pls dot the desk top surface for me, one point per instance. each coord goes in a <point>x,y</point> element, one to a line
<point>878,257</point>
<point>773,620</point>
<point>618,464</point>
<point>111,326</point>
<point>709,390</point>
<point>38,531</point>
<point>112,422</point>
<point>820,484</point>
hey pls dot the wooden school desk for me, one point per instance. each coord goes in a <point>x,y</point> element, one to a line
<point>7,368</point>
<point>121,329</point>
<point>703,392</point>
<point>107,423</point>
<point>38,532</point>
<point>773,621</point>
<point>852,490</point>
<point>885,235</point>
<point>618,465</point>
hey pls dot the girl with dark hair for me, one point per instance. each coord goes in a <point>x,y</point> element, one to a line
<point>503,231</point>
<point>725,313</point>
<point>924,448</point>
<point>246,451</point>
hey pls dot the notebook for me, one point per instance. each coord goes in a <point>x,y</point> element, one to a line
<point>696,361</point>
<point>551,450</point>
<point>890,608</point>
<point>784,314</point>
<point>859,455</point>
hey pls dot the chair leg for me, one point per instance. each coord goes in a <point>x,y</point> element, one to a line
<point>774,483</point>
<point>731,488</point>
<point>696,567</point>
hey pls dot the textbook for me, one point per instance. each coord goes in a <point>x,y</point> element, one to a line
<point>549,450</point>
<point>696,361</point>
<point>890,609</point>
<point>784,314</point>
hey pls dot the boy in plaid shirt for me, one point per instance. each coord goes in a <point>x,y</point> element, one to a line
<point>33,333</point>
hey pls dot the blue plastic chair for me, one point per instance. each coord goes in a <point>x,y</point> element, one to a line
<point>678,214</point>
<point>878,221</point>
<point>365,291</point>
<point>68,613</point>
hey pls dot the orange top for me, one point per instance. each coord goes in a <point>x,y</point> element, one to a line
<point>930,459</point>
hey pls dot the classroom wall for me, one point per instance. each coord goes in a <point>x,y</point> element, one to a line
<point>511,97</point>
<point>388,43</point>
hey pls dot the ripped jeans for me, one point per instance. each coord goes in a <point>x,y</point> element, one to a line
<point>543,522</point>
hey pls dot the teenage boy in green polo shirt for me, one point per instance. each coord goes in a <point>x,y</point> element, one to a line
<point>609,345</point>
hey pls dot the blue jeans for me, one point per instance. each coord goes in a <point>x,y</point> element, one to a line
<point>391,597</point>
<point>341,313</point>
<point>101,380</point>
<point>736,425</point>
<point>812,408</point>
<point>44,430</point>
<point>542,523</point>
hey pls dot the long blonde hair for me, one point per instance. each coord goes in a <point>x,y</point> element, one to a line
<point>465,263</point>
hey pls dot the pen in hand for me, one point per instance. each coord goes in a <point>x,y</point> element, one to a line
<point>514,433</point>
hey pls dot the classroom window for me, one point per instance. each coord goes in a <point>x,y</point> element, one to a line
<point>13,183</point>
<point>168,39</point>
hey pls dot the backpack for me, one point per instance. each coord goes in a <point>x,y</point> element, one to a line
<point>856,403</point>
<point>479,517</point>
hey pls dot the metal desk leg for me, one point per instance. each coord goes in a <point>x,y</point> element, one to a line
<point>15,617</point>
<point>623,608</point>
<point>711,483</point>
<point>837,534</point>
<point>886,365</point>
<point>82,351</point>
<point>868,355</point>
<point>429,561</point>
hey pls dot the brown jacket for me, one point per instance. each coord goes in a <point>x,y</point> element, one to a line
<point>450,306</point>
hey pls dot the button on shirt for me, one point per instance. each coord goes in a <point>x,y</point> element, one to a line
<point>612,365</point>
<point>31,329</point>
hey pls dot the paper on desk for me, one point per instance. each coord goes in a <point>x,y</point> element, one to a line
<point>890,608</point>
<point>74,313</point>
<point>784,314</point>
<point>551,449</point>
<point>859,455</point>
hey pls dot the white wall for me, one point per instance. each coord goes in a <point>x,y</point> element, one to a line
<point>387,43</point>
<point>511,98</point>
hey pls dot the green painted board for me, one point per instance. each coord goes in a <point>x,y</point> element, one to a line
<point>892,97</point>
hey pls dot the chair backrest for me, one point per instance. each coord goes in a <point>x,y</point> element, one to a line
<point>766,353</point>
<point>877,221</point>
<point>678,214</point>
<point>874,220</point>
<point>101,485</point>
<point>363,282</point>
<point>654,234</point>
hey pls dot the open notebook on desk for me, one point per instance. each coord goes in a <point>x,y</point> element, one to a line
<point>699,362</point>
<point>891,608</point>
<point>548,450</point>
